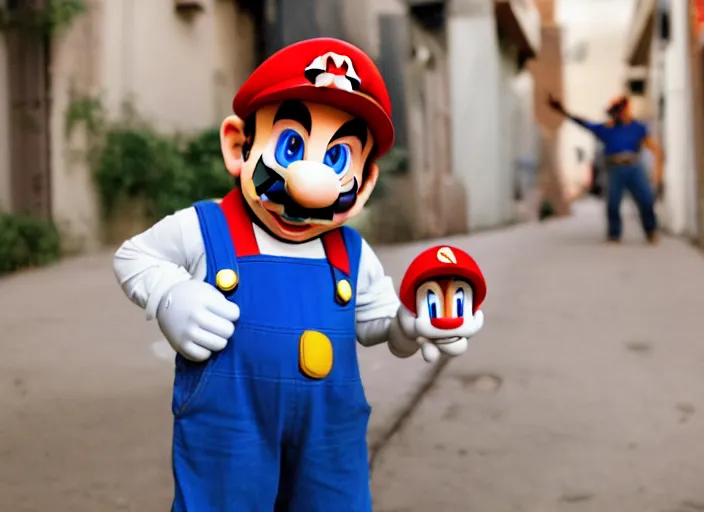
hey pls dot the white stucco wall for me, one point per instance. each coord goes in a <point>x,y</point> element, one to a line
<point>4,130</point>
<point>180,75</point>
<point>481,104</point>
<point>507,144</point>
<point>73,75</point>
<point>525,129</point>
<point>362,20</point>
<point>680,177</point>
<point>592,82</point>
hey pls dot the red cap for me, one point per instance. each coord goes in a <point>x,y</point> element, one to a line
<point>438,262</point>
<point>327,71</point>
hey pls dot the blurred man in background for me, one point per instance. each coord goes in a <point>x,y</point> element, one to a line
<point>597,183</point>
<point>623,138</point>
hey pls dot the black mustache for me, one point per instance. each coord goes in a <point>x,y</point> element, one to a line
<point>269,183</point>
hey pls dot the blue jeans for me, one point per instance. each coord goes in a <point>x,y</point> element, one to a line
<point>634,179</point>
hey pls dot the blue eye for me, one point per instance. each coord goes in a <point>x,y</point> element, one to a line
<point>459,303</point>
<point>289,148</point>
<point>338,158</point>
<point>433,304</point>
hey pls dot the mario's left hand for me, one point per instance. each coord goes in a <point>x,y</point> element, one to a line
<point>441,295</point>
<point>432,344</point>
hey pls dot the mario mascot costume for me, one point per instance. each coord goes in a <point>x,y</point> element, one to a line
<point>264,294</point>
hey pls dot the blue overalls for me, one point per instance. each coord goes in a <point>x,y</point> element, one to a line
<point>252,432</point>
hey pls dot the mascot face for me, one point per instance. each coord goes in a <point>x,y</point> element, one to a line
<point>304,168</point>
<point>310,122</point>
<point>444,308</point>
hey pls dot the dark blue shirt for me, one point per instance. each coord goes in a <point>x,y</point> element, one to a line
<point>619,138</point>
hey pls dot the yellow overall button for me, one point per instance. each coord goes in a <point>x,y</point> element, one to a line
<point>344,291</point>
<point>315,356</point>
<point>226,279</point>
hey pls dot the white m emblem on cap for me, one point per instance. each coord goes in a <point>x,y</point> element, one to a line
<point>333,70</point>
<point>446,255</point>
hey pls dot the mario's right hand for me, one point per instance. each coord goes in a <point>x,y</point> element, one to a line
<point>196,319</point>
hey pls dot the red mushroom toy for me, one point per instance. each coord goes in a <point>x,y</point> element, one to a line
<point>442,293</point>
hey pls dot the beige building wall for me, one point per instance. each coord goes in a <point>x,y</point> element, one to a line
<point>4,130</point>
<point>361,20</point>
<point>591,82</point>
<point>74,75</point>
<point>180,74</point>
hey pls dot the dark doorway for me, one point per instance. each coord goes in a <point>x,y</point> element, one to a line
<point>257,10</point>
<point>29,110</point>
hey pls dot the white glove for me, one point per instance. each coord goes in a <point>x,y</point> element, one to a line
<point>431,349</point>
<point>196,319</point>
<point>431,343</point>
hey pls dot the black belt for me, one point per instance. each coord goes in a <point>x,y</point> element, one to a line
<point>622,159</point>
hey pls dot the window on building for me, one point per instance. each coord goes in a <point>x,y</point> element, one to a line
<point>663,20</point>
<point>431,15</point>
<point>636,86</point>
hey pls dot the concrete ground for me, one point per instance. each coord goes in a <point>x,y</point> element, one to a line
<point>85,391</point>
<point>582,393</point>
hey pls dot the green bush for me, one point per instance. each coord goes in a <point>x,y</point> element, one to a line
<point>546,210</point>
<point>47,21</point>
<point>162,174</point>
<point>203,157</point>
<point>393,163</point>
<point>138,164</point>
<point>27,242</point>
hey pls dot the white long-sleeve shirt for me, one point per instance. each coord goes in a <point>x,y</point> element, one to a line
<point>172,251</point>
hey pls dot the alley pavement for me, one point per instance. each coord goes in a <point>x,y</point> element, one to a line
<point>583,392</point>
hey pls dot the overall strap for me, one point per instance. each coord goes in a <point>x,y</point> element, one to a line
<point>342,249</point>
<point>220,255</point>
<point>353,242</point>
<point>239,224</point>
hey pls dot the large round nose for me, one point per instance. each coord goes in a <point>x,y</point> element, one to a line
<point>312,184</point>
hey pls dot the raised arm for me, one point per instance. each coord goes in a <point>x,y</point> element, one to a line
<point>558,107</point>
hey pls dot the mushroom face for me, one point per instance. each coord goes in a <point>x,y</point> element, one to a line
<point>443,307</point>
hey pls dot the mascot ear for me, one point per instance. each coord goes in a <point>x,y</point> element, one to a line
<point>371,176</point>
<point>232,140</point>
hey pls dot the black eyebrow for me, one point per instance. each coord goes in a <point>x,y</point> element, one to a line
<point>295,111</point>
<point>354,128</point>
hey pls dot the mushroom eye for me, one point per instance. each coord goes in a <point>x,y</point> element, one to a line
<point>430,300</point>
<point>459,299</point>
<point>458,303</point>
<point>433,303</point>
